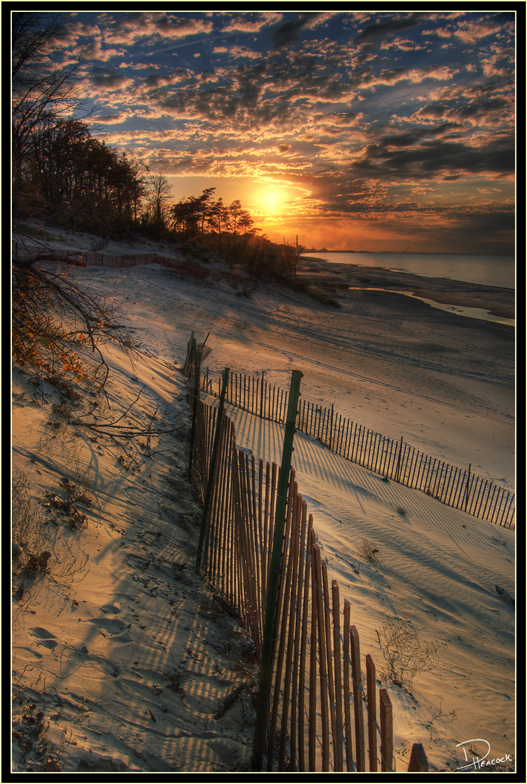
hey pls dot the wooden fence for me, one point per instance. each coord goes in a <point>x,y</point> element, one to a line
<point>92,259</point>
<point>396,460</point>
<point>322,713</point>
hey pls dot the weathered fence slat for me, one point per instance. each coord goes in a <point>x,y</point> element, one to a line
<point>312,730</point>
<point>339,723</point>
<point>330,679</point>
<point>372,713</point>
<point>346,681</point>
<point>386,731</point>
<point>357,699</point>
<point>304,626</point>
<point>418,761</point>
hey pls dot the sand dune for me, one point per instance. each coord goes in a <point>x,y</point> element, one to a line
<point>122,647</point>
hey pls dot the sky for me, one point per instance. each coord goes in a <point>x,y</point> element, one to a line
<point>379,131</point>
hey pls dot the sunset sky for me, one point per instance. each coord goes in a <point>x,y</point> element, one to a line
<point>366,131</point>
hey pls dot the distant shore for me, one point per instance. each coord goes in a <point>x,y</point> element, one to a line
<point>499,302</point>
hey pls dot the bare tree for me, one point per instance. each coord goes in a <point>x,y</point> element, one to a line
<point>54,321</point>
<point>158,194</point>
<point>41,89</point>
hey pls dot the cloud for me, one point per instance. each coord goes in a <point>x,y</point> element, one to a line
<point>490,68</point>
<point>288,34</point>
<point>251,23</point>
<point>474,106</point>
<point>412,138</point>
<point>486,111</point>
<point>382,29</point>
<point>436,159</point>
<point>470,33</point>
<point>403,45</point>
<point>485,228</point>
<point>110,119</point>
<point>140,66</point>
<point>108,79</point>
<point>269,93</point>
<point>344,119</point>
<point>178,76</point>
<point>237,52</point>
<point>136,26</point>
<point>362,112</point>
<point>440,32</point>
<point>95,51</point>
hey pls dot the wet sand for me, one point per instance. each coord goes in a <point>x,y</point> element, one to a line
<point>498,301</point>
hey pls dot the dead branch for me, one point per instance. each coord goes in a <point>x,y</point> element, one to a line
<point>227,702</point>
<point>124,431</point>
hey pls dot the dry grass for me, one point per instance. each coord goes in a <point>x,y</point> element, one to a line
<point>44,545</point>
<point>28,529</point>
<point>404,652</point>
<point>370,552</point>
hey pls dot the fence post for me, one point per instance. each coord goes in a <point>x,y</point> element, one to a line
<point>197,371</point>
<point>467,489</point>
<point>190,353</point>
<point>274,571</point>
<point>372,713</point>
<point>386,731</point>
<point>397,470</point>
<point>418,760</point>
<point>357,699</point>
<point>212,467</point>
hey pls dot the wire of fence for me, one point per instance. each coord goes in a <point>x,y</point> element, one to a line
<point>91,258</point>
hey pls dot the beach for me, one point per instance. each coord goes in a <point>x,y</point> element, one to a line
<point>498,301</point>
<point>125,650</point>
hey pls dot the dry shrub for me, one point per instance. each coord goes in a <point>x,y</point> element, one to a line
<point>370,552</point>
<point>65,448</point>
<point>28,529</point>
<point>405,653</point>
<point>43,546</point>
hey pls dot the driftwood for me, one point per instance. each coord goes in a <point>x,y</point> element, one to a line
<point>227,702</point>
<point>226,607</point>
<point>502,592</point>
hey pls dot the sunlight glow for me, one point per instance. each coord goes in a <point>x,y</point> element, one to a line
<point>272,200</point>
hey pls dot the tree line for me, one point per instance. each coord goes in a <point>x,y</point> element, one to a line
<point>63,174</point>
<point>67,175</point>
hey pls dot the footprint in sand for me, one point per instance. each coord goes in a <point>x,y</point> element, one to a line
<point>113,627</point>
<point>111,609</point>
<point>27,654</point>
<point>45,638</point>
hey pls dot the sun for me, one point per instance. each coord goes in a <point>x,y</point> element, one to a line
<point>272,200</point>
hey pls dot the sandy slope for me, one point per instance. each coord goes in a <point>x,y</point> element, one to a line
<point>121,646</point>
<point>443,382</point>
<point>437,569</point>
<point>396,365</point>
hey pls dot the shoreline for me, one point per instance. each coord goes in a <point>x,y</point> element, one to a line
<point>499,302</point>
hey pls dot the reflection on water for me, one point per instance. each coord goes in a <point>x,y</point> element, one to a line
<point>486,270</point>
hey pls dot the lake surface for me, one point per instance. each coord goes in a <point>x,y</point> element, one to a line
<point>487,270</point>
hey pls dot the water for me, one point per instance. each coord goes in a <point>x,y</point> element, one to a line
<point>486,270</point>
